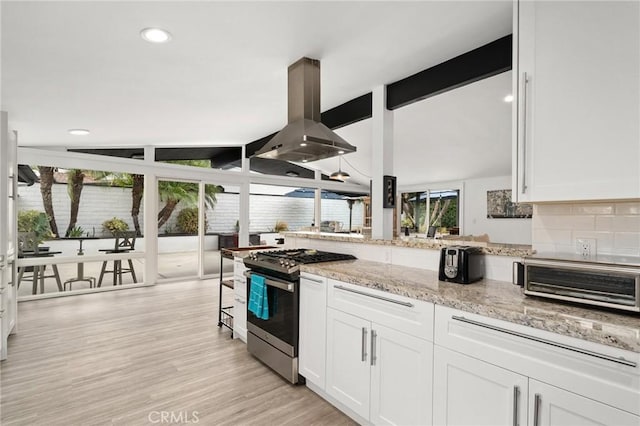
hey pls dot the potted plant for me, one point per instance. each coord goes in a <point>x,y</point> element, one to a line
<point>36,222</point>
<point>115,225</point>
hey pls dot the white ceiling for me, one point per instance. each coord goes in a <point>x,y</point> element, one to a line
<point>222,79</point>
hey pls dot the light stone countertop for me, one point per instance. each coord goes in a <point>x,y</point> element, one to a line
<point>494,299</point>
<point>499,249</point>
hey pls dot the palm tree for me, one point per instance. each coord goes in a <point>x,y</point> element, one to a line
<point>172,193</point>
<point>46,182</point>
<point>75,183</point>
<point>137,190</point>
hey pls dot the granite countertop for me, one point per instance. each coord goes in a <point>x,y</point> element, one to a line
<point>513,250</point>
<point>494,299</point>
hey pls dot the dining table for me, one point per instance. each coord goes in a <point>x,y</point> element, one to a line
<point>80,277</point>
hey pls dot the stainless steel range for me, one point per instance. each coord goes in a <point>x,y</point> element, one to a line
<point>274,340</point>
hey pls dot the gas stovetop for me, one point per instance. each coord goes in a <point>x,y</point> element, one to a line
<point>288,261</point>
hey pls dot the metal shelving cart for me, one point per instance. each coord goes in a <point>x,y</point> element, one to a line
<point>225,313</point>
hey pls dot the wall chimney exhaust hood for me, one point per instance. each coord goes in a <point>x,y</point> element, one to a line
<point>305,138</point>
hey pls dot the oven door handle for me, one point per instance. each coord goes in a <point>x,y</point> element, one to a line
<point>282,285</point>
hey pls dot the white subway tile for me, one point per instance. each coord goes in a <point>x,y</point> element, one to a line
<point>552,209</point>
<point>604,242</point>
<point>604,223</point>
<point>626,240</point>
<point>628,208</point>
<point>544,247</point>
<point>626,224</point>
<point>586,222</point>
<point>593,208</point>
<point>565,248</point>
<point>553,236</point>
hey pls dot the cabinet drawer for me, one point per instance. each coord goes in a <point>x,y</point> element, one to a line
<point>599,372</point>
<point>410,316</point>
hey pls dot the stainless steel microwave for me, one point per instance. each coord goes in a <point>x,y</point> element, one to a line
<point>608,281</point>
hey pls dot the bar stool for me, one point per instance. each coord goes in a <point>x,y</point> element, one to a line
<point>125,242</point>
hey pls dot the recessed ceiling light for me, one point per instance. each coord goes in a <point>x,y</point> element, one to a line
<point>508,98</point>
<point>79,132</point>
<point>341,152</point>
<point>155,35</point>
<point>303,144</point>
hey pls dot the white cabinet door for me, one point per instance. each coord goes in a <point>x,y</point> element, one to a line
<point>468,391</point>
<point>240,308</point>
<point>238,268</point>
<point>8,194</point>
<point>578,87</point>
<point>401,376</point>
<point>551,406</point>
<point>312,344</point>
<point>348,370</point>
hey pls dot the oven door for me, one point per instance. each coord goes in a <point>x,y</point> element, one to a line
<point>281,328</point>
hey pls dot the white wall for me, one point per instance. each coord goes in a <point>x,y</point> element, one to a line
<point>514,231</point>
<point>99,203</point>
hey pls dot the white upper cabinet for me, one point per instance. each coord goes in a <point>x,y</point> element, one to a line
<point>577,116</point>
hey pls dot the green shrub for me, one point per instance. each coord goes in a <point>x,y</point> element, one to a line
<point>281,225</point>
<point>115,225</point>
<point>187,221</point>
<point>35,221</point>
<point>76,231</point>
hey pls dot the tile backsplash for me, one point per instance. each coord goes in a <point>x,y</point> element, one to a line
<point>614,225</point>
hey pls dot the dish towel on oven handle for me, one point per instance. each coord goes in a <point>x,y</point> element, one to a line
<point>258,303</point>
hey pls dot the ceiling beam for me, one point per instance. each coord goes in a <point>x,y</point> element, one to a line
<point>485,61</point>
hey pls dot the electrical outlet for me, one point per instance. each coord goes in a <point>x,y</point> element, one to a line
<point>586,246</point>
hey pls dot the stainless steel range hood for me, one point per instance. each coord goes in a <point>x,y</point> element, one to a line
<point>305,138</point>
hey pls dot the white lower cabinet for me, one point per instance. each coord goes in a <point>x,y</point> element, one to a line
<point>239,300</point>
<point>348,369</point>
<point>492,372</point>
<point>401,378</point>
<point>381,374</point>
<point>552,406</point>
<point>468,391</point>
<point>312,344</point>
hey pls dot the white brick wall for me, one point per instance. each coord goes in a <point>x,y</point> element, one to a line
<point>615,226</point>
<point>98,203</point>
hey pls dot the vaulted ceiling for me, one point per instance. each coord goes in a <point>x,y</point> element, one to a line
<point>221,80</point>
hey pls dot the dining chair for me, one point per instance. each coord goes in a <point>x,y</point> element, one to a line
<point>28,248</point>
<point>124,243</point>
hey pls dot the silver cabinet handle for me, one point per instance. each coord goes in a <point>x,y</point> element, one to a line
<point>386,299</point>
<point>315,280</point>
<point>525,81</point>
<point>364,344</point>
<point>373,347</point>
<point>536,409</point>
<point>516,402</point>
<point>620,360</point>
<point>13,188</point>
<point>242,302</point>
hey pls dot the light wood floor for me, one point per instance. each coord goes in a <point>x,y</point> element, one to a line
<point>124,357</point>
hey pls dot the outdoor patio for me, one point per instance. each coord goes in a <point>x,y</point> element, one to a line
<point>171,266</point>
